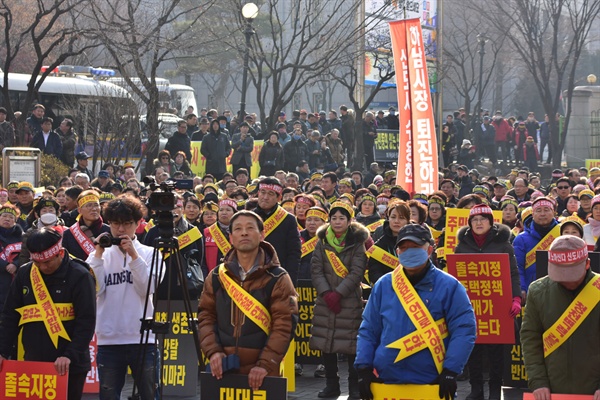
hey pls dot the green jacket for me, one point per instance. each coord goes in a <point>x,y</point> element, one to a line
<point>574,367</point>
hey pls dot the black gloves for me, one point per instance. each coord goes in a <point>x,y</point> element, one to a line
<point>365,377</point>
<point>447,382</point>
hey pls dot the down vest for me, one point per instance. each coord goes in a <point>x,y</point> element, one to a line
<point>337,333</point>
<point>498,242</point>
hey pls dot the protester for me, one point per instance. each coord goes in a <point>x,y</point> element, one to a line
<point>337,268</point>
<point>388,318</point>
<point>550,341</point>
<point>64,282</point>
<point>223,317</point>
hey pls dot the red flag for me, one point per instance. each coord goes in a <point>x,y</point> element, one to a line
<point>417,144</point>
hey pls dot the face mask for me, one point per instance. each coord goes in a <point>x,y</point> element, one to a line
<point>392,113</point>
<point>222,126</point>
<point>413,257</point>
<point>296,137</point>
<point>228,119</point>
<point>381,208</point>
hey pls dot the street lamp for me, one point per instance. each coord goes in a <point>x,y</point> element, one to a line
<point>481,39</point>
<point>249,12</point>
<point>591,78</point>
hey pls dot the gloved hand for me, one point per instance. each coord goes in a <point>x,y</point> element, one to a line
<point>365,378</point>
<point>515,309</point>
<point>447,382</point>
<point>332,298</point>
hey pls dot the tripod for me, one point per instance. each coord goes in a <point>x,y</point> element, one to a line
<point>174,269</point>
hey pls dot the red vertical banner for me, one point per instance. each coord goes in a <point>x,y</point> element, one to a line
<point>92,380</point>
<point>404,175</point>
<point>417,148</point>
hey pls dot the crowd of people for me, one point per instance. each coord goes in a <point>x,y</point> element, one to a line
<point>368,246</point>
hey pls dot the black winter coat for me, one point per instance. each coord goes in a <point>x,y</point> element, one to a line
<point>270,158</point>
<point>72,283</point>
<point>497,241</point>
<point>294,151</point>
<point>179,142</point>
<point>387,242</point>
<point>286,241</point>
<point>216,148</point>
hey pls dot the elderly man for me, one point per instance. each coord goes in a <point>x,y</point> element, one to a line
<point>560,332</point>
<point>250,279</point>
<point>521,191</point>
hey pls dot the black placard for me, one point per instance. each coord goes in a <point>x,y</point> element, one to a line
<point>541,263</point>
<point>306,303</point>
<point>235,387</point>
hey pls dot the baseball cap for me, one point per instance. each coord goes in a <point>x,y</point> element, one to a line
<point>567,259</point>
<point>82,155</point>
<point>415,233</point>
<point>586,192</point>
<point>103,174</point>
<point>25,186</point>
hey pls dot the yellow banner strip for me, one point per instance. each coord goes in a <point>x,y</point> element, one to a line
<point>274,220</point>
<point>338,267</point>
<point>543,244</point>
<point>573,316</point>
<point>419,316</point>
<point>219,238</point>
<point>251,307</point>
<point>383,391</point>
<point>413,342</point>
<point>50,317</point>
<point>309,247</point>
<point>384,257</point>
<point>372,227</point>
<point>33,313</point>
<point>187,238</point>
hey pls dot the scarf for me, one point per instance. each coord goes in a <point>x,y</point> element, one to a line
<point>337,242</point>
<point>480,239</point>
<point>595,227</point>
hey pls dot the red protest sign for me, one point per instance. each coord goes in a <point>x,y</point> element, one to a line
<point>487,280</point>
<point>92,380</point>
<point>32,380</point>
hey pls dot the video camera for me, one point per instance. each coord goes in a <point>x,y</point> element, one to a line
<point>163,202</point>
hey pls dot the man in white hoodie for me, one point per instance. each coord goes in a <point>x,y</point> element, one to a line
<point>122,274</point>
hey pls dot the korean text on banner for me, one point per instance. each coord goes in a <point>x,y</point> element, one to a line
<point>487,280</point>
<point>456,218</point>
<point>418,142</point>
<point>32,380</point>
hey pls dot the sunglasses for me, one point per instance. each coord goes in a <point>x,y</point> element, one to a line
<point>564,187</point>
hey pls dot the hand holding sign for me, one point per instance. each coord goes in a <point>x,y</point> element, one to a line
<point>216,365</point>
<point>256,376</point>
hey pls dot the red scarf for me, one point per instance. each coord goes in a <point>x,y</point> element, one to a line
<point>480,239</point>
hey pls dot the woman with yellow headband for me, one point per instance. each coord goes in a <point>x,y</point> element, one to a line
<point>10,245</point>
<point>337,268</point>
<point>216,236</point>
<point>367,211</point>
<point>209,214</point>
<point>302,203</point>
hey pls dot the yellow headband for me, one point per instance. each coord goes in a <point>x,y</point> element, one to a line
<point>88,199</point>
<point>210,207</point>
<point>8,210</point>
<point>317,213</point>
<point>341,204</point>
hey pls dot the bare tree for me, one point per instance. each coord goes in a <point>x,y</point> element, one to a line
<point>140,35</point>
<point>549,36</point>
<point>37,33</point>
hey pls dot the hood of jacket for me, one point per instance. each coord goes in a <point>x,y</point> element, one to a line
<point>357,233</point>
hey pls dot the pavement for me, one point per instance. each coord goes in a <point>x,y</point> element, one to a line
<point>307,387</point>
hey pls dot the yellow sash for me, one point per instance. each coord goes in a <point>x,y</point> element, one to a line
<point>245,302</point>
<point>543,244</point>
<point>33,313</point>
<point>414,342</point>
<point>274,220</point>
<point>84,242</point>
<point>309,246</point>
<point>300,228</point>
<point>419,315</point>
<point>573,316</point>
<point>187,238</point>
<point>338,267</point>
<point>149,225</point>
<point>383,256</point>
<point>372,227</point>
<point>435,233</point>
<point>219,238</point>
<point>50,316</point>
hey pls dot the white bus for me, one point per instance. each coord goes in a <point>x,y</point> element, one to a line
<point>96,107</point>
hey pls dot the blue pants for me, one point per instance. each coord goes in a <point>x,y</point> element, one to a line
<point>113,361</point>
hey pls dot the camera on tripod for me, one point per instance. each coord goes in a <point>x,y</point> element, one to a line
<point>163,202</point>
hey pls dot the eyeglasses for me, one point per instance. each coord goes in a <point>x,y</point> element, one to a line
<point>91,206</point>
<point>479,220</point>
<point>564,187</point>
<point>125,225</point>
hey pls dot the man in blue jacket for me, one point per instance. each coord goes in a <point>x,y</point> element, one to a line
<point>415,294</point>
<point>538,234</point>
